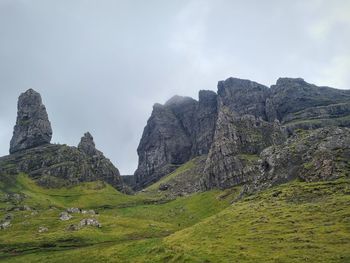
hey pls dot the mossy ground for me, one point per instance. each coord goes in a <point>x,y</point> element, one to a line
<point>295,222</point>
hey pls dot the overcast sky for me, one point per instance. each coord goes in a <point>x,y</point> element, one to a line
<point>101,65</point>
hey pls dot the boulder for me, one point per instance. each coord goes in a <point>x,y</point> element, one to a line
<point>64,216</point>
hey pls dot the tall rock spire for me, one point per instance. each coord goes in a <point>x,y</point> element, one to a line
<point>32,127</point>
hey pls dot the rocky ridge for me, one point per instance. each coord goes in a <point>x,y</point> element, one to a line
<point>234,127</point>
<point>53,165</point>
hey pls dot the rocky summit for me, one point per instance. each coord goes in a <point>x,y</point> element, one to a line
<point>53,165</point>
<point>233,127</point>
<point>32,127</point>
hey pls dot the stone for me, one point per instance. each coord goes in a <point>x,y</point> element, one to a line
<point>73,210</point>
<point>164,187</point>
<point>64,216</point>
<point>42,229</point>
<point>89,222</point>
<point>5,225</point>
<point>91,212</point>
<point>32,127</point>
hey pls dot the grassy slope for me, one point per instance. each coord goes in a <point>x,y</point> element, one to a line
<point>127,220</point>
<point>296,222</point>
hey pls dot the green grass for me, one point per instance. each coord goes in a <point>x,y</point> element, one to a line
<point>185,167</point>
<point>295,222</point>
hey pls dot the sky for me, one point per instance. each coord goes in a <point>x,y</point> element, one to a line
<point>100,65</point>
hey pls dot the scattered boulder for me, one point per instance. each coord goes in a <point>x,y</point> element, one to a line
<point>43,229</point>
<point>5,225</point>
<point>64,216</point>
<point>89,222</point>
<point>164,187</point>
<point>73,210</point>
<point>83,223</point>
<point>91,212</point>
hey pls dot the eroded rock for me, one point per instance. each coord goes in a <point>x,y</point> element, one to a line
<point>32,127</point>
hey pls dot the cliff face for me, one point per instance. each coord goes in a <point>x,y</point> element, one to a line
<point>234,126</point>
<point>32,127</point>
<point>176,131</point>
<point>53,165</point>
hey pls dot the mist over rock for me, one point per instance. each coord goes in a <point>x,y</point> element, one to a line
<point>32,127</point>
<point>177,131</point>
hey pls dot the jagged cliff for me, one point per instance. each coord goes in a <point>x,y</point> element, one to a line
<point>176,132</point>
<point>53,165</point>
<point>233,127</point>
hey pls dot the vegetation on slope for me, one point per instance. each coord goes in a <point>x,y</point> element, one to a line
<point>295,222</point>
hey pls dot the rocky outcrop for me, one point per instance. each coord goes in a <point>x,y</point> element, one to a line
<point>317,155</point>
<point>243,97</point>
<point>87,145</point>
<point>53,165</point>
<point>204,123</point>
<point>56,165</point>
<point>176,131</point>
<point>32,127</point>
<point>290,96</point>
<point>164,145</point>
<point>234,126</point>
<point>237,141</point>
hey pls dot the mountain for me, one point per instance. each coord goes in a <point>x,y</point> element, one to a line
<point>247,174</point>
<point>234,128</point>
<point>53,165</point>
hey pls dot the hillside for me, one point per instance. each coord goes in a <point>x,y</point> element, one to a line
<point>294,222</point>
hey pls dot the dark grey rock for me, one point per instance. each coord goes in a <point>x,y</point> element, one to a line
<point>291,95</point>
<point>318,155</point>
<point>61,165</point>
<point>204,123</point>
<point>32,127</point>
<point>87,145</point>
<point>237,144</point>
<point>243,96</point>
<point>164,145</point>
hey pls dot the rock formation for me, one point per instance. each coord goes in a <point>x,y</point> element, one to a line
<point>53,165</point>
<point>87,145</point>
<point>32,127</point>
<point>176,131</point>
<point>233,127</point>
<point>315,155</point>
